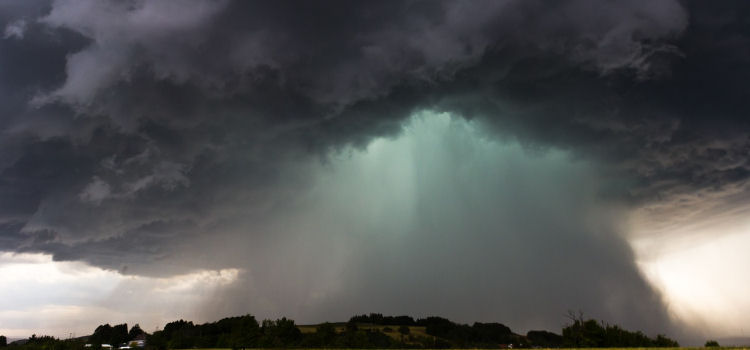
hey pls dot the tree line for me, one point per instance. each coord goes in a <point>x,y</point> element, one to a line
<point>592,334</point>
<point>361,331</point>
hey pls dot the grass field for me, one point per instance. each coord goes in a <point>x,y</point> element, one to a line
<point>392,331</point>
<point>680,348</point>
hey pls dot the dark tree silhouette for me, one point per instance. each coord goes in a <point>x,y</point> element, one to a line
<point>712,344</point>
<point>135,331</point>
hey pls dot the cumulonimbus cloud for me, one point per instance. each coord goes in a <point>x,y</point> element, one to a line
<point>139,132</point>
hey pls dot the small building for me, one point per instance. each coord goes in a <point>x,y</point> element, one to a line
<point>138,342</point>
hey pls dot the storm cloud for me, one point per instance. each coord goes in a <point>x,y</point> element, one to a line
<point>478,160</point>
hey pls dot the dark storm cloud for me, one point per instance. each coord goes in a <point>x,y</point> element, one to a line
<point>143,134</point>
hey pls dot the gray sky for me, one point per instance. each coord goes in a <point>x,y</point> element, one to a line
<point>480,160</point>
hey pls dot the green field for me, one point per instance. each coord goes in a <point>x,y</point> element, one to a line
<point>680,348</point>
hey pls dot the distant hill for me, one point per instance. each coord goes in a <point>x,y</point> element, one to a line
<point>16,341</point>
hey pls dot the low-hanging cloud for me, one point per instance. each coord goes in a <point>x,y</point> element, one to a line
<point>444,219</point>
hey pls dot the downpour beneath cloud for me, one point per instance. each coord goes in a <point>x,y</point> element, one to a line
<point>480,160</point>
